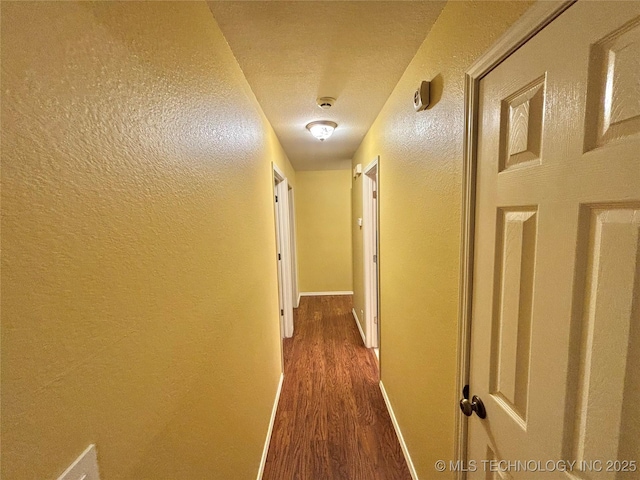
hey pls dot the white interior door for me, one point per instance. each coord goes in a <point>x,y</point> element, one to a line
<point>555,342</point>
<point>279,255</point>
<point>376,300</point>
<point>370,241</point>
<point>284,259</point>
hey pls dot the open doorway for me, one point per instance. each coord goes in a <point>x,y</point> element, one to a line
<point>284,244</point>
<point>370,237</point>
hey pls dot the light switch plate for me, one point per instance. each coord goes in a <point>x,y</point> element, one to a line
<point>84,468</point>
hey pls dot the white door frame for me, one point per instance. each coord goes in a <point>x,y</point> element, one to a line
<point>532,22</point>
<point>294,252</point>
<point>283,255</point>
<point>371,288</point>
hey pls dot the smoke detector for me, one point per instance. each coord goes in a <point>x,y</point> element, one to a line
<point>325,103</point>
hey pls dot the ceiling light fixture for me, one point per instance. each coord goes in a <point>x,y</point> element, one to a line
<point>322,129</point>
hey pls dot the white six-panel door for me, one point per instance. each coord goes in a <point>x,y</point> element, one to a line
<point>555,352</point>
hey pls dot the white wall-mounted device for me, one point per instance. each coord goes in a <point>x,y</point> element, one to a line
<point>357,170</point>
<point>421,97</point>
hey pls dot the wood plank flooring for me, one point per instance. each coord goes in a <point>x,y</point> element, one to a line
<point>331,421</point>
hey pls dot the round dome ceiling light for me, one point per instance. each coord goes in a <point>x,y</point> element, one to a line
<point>322,129</point>
<point>325,103</point>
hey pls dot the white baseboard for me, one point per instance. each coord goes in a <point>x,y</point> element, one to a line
<point>298,304</point>
<point>355,317</point>
<point>316,294</point>
<point>403,445</point>
<point>265,450</point>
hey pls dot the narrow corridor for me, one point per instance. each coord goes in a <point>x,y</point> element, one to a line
<point>331,422</point>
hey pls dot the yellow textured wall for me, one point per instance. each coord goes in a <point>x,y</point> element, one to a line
<point>420,197</point>
<point>137,209</point>
<point>323,218</point>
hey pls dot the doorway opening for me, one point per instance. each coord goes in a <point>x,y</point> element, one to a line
<point>294,256</point>
<point>285,244</point>
<point>370,240</point>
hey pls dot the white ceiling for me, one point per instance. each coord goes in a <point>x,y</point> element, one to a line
<point>292,52</point>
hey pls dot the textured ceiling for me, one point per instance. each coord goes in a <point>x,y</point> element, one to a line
<point>292,52</point>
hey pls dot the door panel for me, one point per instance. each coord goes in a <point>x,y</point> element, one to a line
<point>604,365</point>
<point>511,328</point>
<point>556,296</point>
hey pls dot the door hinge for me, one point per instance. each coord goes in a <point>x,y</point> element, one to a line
<point>281,313</point>
<point>375,259</point>
<point>375,194</point>
<point>276,198</point>
<point>279,257</point>
<point>375,320</point>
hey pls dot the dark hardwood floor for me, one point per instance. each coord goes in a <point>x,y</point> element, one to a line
<point>331,421</point>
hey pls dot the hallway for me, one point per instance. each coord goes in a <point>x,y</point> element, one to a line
<point>331,420</point>
<point>453,174</point>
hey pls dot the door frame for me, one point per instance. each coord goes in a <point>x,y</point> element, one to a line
<point>283,246</point>
<point>293,247</point>
<point>371,287</point>
<point>529,24</point>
